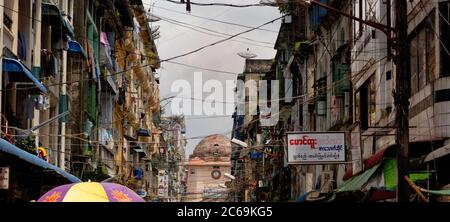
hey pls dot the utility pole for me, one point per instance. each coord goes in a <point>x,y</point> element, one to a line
<point>401,98</point>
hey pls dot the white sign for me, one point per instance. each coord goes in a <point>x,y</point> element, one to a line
<point>316,147</point>
<point>4,178</point>
<point>163,184</point>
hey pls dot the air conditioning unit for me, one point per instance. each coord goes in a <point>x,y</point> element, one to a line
<point>287,19</point>
<point>326,181</point>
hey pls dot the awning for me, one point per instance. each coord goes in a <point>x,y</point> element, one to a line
<point>440,152</point>
<point>30,158</point>
<point>358,181</point>
<point>13,65</point>
<point>53,10</point>
<point>378,157</point>
<point>138,149</point>
<point>389,150</point>
<point>437,192</point>
<point>75,47</point>
<point>109,84</point>
<point>129,138</point>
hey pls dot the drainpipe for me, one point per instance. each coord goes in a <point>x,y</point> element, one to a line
<point>36,67</point>
<point>1,58</point>
<point>62,150</point>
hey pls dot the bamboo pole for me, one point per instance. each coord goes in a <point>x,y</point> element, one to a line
<point>416,189</point>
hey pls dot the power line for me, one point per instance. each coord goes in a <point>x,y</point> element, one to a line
<point>207,69</point>
<point>213,31</point>
<point>211,34</point>
<point>220,41</point>
<point>214,20</point>
<point>219,4</point>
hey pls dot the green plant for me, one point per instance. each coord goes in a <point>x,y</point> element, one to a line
<point>287,8</point>
<point>28,144</point>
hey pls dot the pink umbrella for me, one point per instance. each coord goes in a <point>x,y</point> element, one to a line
<point>91,192</point>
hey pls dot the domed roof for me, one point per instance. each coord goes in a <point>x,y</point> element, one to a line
<point>213,148</point>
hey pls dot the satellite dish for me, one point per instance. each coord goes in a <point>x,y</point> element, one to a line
<point>247,54</point>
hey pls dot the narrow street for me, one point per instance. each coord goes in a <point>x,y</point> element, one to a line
<point>225,101</point>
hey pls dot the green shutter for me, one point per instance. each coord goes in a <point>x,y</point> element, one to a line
<point>92,102</point>
<point>344,74</point>
<point>63,107</point>
<point>340,78</point>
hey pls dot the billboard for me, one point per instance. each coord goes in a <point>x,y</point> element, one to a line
<point>315,147</point>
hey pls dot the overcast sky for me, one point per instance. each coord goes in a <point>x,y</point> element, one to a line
<point>175,40</point>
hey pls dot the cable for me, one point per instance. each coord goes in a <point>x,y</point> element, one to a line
<point>187,25</point>
<point>207,69</point>
<point>220,41</point>
<point>213,20</point>
<point>218,4</point>
<point>217,16</point>
<point>192,28</point>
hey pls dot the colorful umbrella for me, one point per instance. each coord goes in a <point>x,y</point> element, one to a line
<point>91,192</point>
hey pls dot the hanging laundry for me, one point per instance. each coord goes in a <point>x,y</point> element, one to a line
<point>29,104</point>
<point>42,102</point>
<point>138,173</point>
<point>48,63</point>
<point>104,38</point>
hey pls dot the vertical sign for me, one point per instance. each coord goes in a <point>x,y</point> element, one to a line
<point>356,150</point>
<point>163,180</point>
<point>4,178</point>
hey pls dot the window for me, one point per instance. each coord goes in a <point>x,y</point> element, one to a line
<point>321,90</point>
<point>422,49</point>
<point>192,171</point>
<point>358,26</point>
<point>365,104</point>
<point>444,23</point>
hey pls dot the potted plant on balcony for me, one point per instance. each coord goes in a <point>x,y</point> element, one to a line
<point>28,144</point>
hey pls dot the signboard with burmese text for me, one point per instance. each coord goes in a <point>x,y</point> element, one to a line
<point>315,147</point>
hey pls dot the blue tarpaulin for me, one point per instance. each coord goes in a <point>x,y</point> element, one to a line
<point>7,147</point>
<point>75,47</point>
<point>13,65</point>
<point>49,9</point>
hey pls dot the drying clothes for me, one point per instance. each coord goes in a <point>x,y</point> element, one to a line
<point>48,63</point>
<point>29,105</point>
<point>104,38</point>
<point>42,102</point>
<point>138,173</point>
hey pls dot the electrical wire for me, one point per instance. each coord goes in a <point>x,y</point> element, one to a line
<point>219,4</point>
<point>215,35</point>
<point>220,41</point>
<point>214,31</point>
<point>211,19</point>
